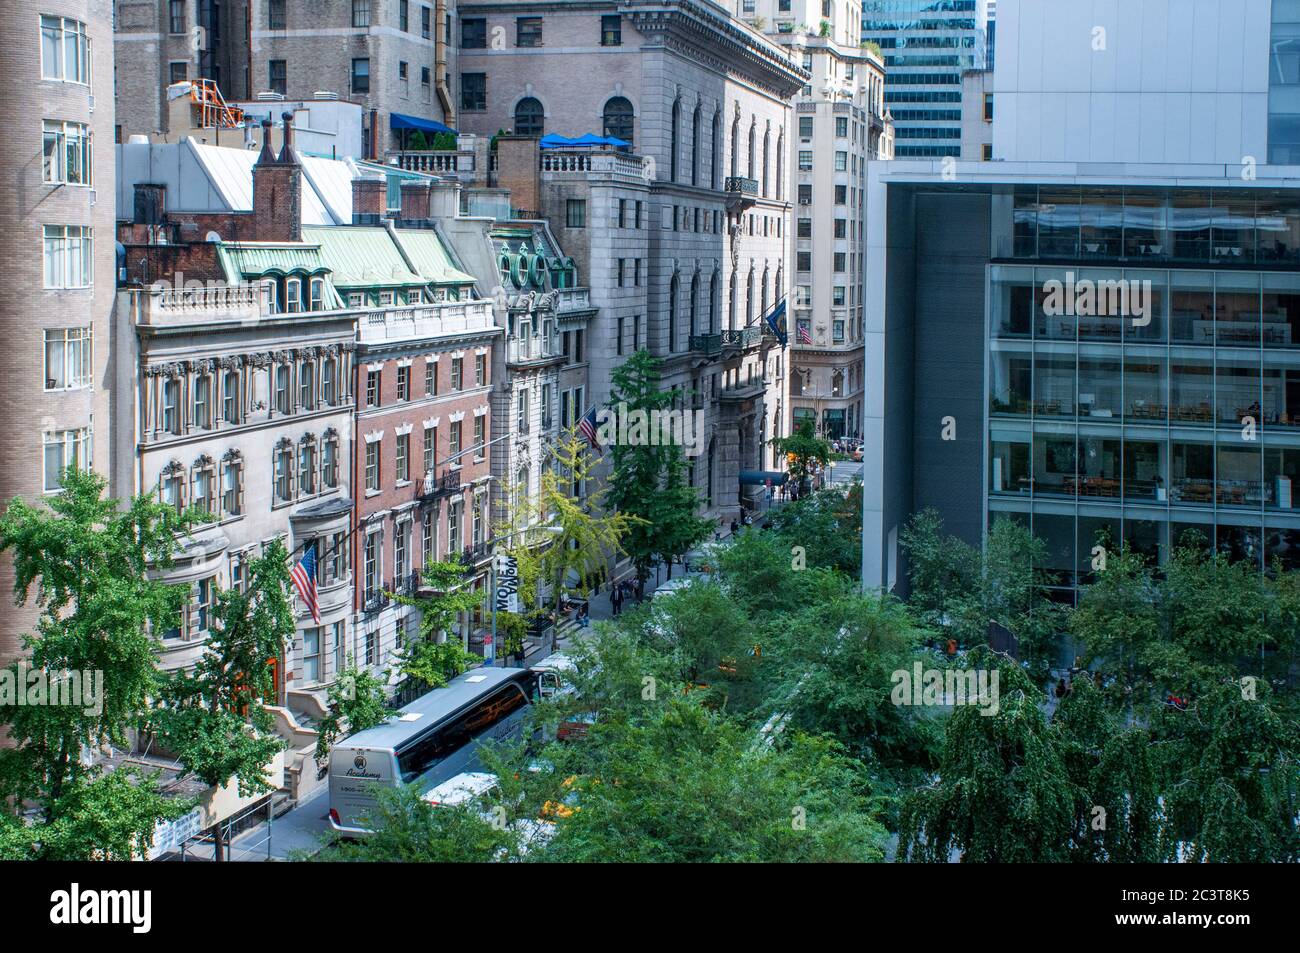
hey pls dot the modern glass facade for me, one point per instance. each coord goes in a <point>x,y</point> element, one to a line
<point>926,45</point>
<point>1143,371</point>
<point>1284,84</point>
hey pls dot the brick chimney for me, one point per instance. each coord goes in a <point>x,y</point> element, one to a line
<point>277,189</point>
<point>369,200</point>
<point>518,161</point>
<point>416,200</point>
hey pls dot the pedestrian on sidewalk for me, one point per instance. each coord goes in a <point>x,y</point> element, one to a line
<point>616,599</point>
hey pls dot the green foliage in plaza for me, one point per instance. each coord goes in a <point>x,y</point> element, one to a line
<point>649,482</point>
<point>827,526</point>
<point>212,717</point>
<point>701,629</point>
<point>356,701</point>
<point>410,830</point>
<point>84,559</point>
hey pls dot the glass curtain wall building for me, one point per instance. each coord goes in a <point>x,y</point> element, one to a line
<point>926,45</point>
<point>1143,371</point>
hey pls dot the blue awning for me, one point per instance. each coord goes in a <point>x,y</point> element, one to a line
<point>763,477</point>
<point>588,140</point>
<point>401,121</point>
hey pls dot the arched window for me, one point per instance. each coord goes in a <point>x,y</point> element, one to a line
<point>695,146</point>
<point>731,300</point>
<point>763,305</point>
<point>715,149</point>
<point>735,145</point>
<point>618,119</point>
<point>695,293</point>
<point>767,146</point>
<point>780,165</point>
<point>675,140</point>
<point>672,314</point>
<point>749,298</point>
<point>753,132</point>
<point>529,117</point>
<point>713,304</point>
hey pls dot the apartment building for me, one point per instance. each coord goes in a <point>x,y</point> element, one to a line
<point>57,246</point>
<point>926,47</point>
<point>704,100</point>
<point>841,125</point>
<point>1101,348</point>
<point>390,56</point>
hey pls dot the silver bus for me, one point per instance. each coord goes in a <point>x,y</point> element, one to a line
<point>431,740</point>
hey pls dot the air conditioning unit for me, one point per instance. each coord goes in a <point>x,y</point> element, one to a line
<point>92,198</point>
<point>92,102</point>
<point>325,94</point>
<point>266,96</point>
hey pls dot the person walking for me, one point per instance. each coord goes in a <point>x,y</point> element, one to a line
<point>616,599</point>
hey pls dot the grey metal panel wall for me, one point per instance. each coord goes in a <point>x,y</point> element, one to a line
<point>952,252</point>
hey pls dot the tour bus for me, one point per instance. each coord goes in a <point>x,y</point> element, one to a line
<point>431,740</point>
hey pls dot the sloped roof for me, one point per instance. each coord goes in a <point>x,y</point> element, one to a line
<point>231,173</point>
<point>362,257</point>
<point>242,260</point>
<point>427,252</point>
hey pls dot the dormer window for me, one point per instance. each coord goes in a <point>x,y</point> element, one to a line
<point>386,299</point>
<point>317,294</point>
<point>415,296</point>
<point>293,295</point>
<point>272,296</point>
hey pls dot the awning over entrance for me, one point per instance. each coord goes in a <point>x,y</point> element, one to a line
<point>761,477</point>
<point>587,141</point>
<point>399,121</point>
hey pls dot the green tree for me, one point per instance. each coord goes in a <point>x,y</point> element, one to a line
<point>357,700</point>
<point>1118,620</point>
<point>434,659</point>
<point>407,829</point>
<point>648,480</point>
<point>86,561</point>
<point>704,631</point>
<point>943,570</point>
<point>804,450</point>
<point>682,784</point>
<point>213,717</point>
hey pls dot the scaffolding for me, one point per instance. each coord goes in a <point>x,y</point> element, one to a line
<point>213,110</point>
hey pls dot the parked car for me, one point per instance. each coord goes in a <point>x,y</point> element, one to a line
<point>858,451</point>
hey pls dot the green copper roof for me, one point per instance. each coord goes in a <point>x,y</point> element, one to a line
<point>430,255</point>
<point>244,260</point>
<point>362,257</point>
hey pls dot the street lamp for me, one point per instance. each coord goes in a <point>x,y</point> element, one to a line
<point>490,650</point>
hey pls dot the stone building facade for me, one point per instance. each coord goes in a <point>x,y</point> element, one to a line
<point>704,100</point>
<point>57,246</point>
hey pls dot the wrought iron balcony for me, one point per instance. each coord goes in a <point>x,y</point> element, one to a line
<point>742,192</point>
<point>742,339</point>
<point>706,343</point>
<point>434,487</point>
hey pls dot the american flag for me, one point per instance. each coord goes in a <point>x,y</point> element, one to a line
<point>303,575</point>
<point>804,336</point>
<point>588,427</point>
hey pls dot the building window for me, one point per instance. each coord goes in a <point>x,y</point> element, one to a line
<point>430,378</point>
<point>275,15</point>
<point>453,442</point>
<point>205,591</point>
<point>69,256</point>
<point>480,370</point>
<point>479,437</point>
<point>372,388</point>
<point>404,15</point>
<point>306,385</point>
<point>618,122</point>
<point>529,117</point>
<point>473,91</point>
<point>170,489</point>
<point>575,213</point>
<point>171,406</point>
<point>987,152</point>
<point>528,31</point>
<point>361,75</point>
<point>203,401</point>
<point>306,467</point>
<point>457,373</point>
<point>175,17</point>
<point>283,473</point>
<point>453,526</point>
<point>429,536</point>
<point>611,30</point>
<point>841,162</point>
<point>282,389</point>
<point>360,14</point>
<point>404,382</point>
<point>372,583</point>
<point>178,71</point>
<point>329,382</point>
<point>473,33</point>
<point>201,497</point>
<point>69,358</point>
<point>329,463</point>
<point>988,107</point>
<point>805,195</point>
<point>403,465</point>
<point>66,153</point>
<point>230,488</point>
<point>426,27</point>
<point>65,50</point>
<point>311,640</point>
<point>430,449</point>
<point>65,450</point>
<point>400,568</point>
<point>279,74</point>
<point>372,466</point>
